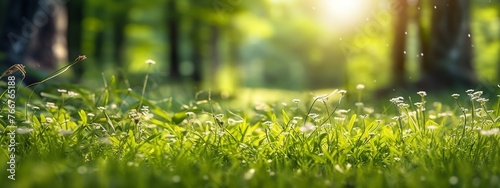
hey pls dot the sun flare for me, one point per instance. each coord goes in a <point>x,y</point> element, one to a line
<point>343,8</point>
<point>344,11</point>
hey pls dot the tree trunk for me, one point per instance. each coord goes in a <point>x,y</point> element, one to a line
<point>196,56</point>
<point>449,62</point>
<point>75,17</point>
<point>423,36</point>
<point>120,21</point>
<point>173,37</point>
<point>398,52</point>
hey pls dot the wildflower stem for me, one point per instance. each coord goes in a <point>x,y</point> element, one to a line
<point>53,75</point>
<point>465,121</point>
<point>309,111</point>
<point>144,86</point>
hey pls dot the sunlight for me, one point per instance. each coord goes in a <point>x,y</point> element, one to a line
<point>343,8</point>
<point>344,11</point>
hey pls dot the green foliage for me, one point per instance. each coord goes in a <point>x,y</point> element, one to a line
<point>270,40</point>
<point>87,137</point>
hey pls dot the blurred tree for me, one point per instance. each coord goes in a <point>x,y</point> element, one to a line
<point>196,53</point>
<point>398,52</point>
<point>445,45</point>
<point>74,37</point>
<point>447,51</point>
<point>34,35</point>
<point>119,21</point>
<point>173,19</point>
<point>208,28</point>
<point>196,12</point>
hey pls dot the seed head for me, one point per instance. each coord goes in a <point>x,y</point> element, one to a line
<point>150,62</point>
<point>422,93</point>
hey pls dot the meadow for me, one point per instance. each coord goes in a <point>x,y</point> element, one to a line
<point>70,135</point>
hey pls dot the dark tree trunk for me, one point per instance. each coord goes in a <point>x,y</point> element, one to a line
<point>3,8</point>
<point>449,61</point>
<point>119,21</point>
<point>196,56</point>
<point>423,36</point>
<point>399,46</point>
<point>173,36</point>
<point>75,17</point>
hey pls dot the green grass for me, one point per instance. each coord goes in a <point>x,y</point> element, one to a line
<point>100,137</point>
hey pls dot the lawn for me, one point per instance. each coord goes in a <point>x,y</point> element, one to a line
<point>114,136</point>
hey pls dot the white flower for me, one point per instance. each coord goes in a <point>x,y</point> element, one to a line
<point>324,97</point>
<point>313,115</point>
<point>150,62</point>
<point>65,132</point>
<point>432,127</point>
<point>72,94</point>
<point>342,92</point>
<point>397,100</point>
<point>248,175</point>
<point>24,130</point>
<point>490,132</point>
<point>268,123</point>
<point>360,86</point>
<point>422,93</point>
<point>50,105</point>
<point>308,127</point>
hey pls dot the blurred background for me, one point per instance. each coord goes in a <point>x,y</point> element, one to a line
<point>285,44</point>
